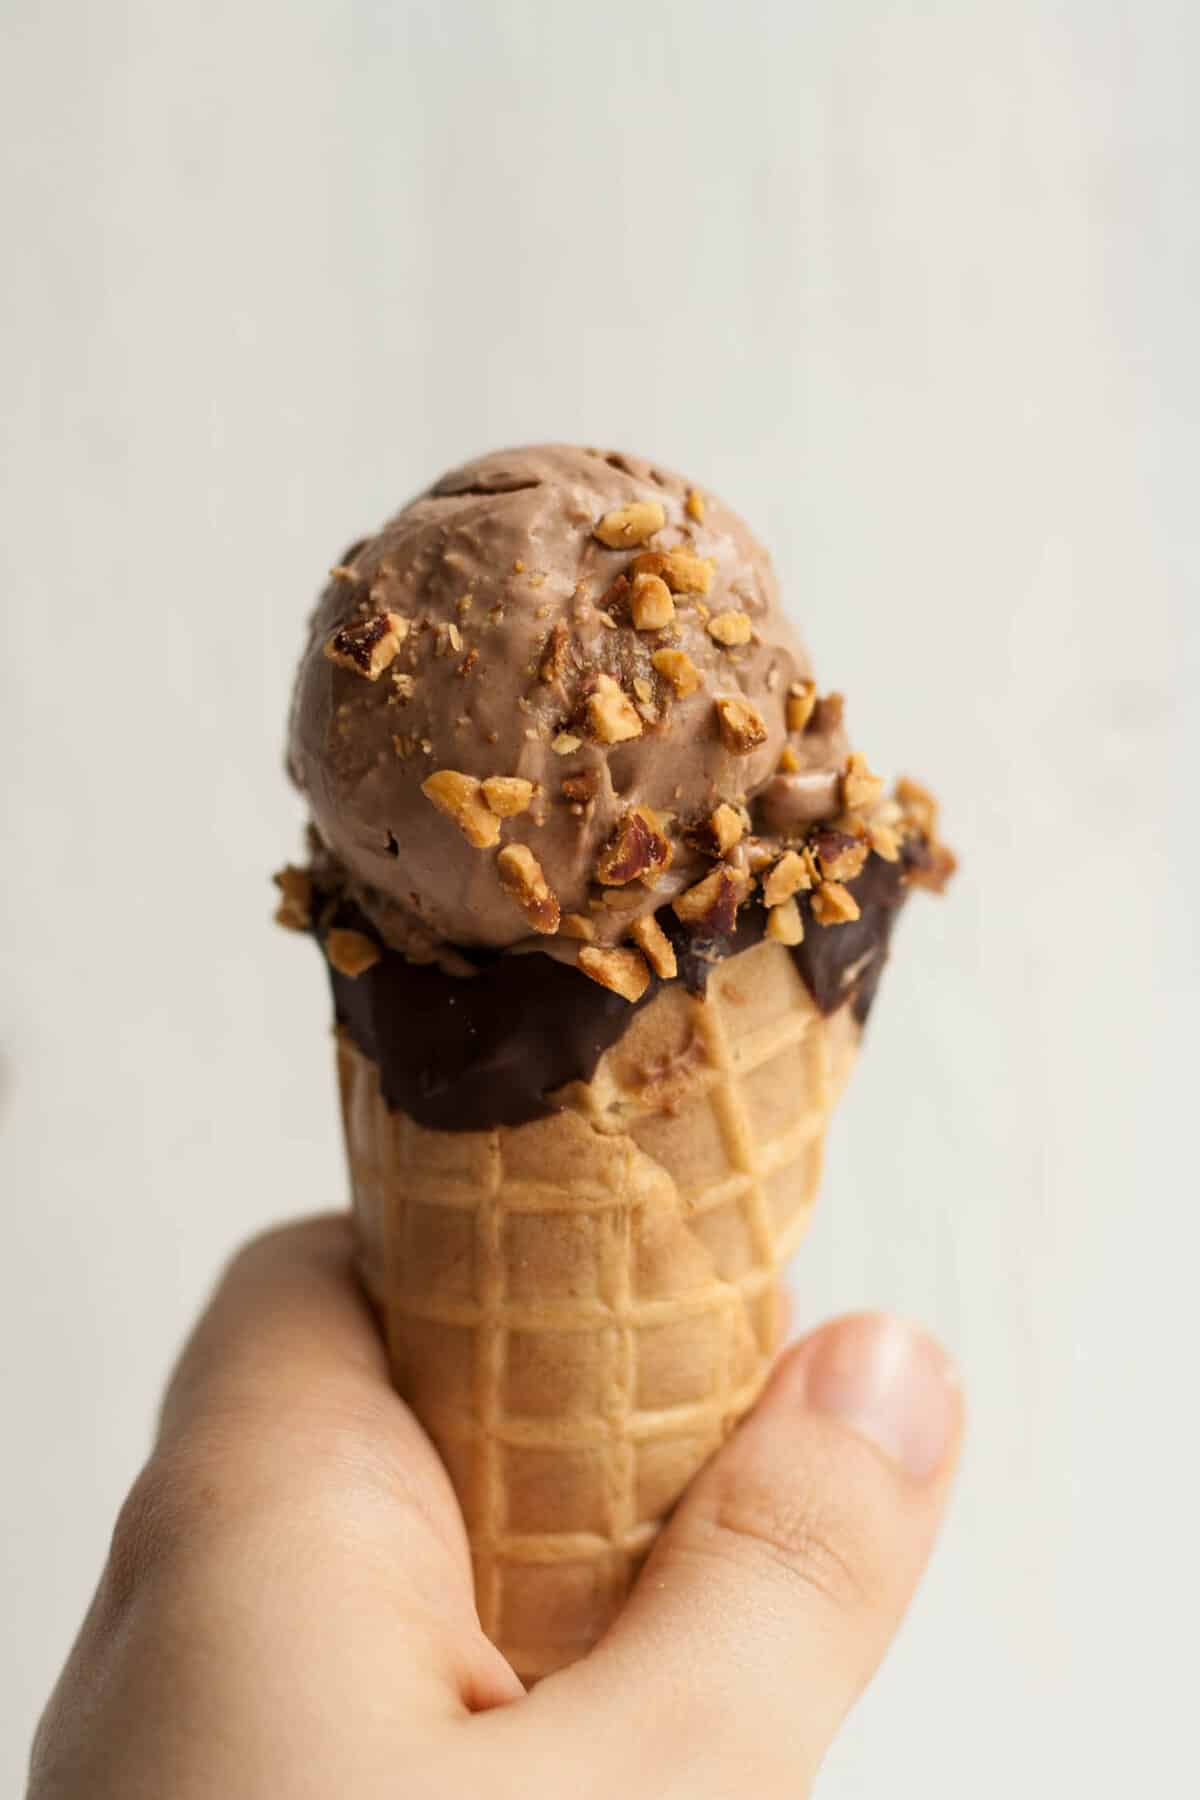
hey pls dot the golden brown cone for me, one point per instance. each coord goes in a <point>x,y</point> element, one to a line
<point>580,1309</point>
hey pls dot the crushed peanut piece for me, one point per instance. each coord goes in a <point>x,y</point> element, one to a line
<point>683,571</point>
<point>460,798</point>
<point>919,806</point>
<point>295,898</point>
<point>455,636</point>
<point>554,657</point>
<point>695,505</point>
<point>833,904</point>
<point>828,714</point>
<point>405,685</point>
<point>789,875</point>
<point>789,762</point>
<point>582,787</point>
<point>784,923</point>
<point>468,662</point>
<point>711,906</point>
<point>727,826</point>
<point>518,567</point>
<point>860,789</point>
<point>730,628</point>
<point>655,945</point>
<point>638,848</point>
<point>651,605</point>
<point>565,743</point>
<point>642,688</point>
<point>841,857</point>
<point>623,972</point>
<point>350,952</point>
<point>574,925</point>
<point>631,524</point>
<point>343,572</point>
<point>677,667</point>
<point>507,795</point>
<point>521,877</point>
<point>465,605</point>
<point>741,725</point>
<point>801,704</point>
<point>935,869</point>
<point>367,648</point>
<point>883,841</point>
<point>611,714</point>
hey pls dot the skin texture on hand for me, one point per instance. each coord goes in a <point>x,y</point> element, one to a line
<point>287,1614</point>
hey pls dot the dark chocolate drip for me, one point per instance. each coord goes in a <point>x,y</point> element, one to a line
<point>467,1053</point>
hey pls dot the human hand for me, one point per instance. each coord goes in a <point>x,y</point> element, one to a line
<point>286,1613</point>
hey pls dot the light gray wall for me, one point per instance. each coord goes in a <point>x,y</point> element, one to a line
<point>915,286</point>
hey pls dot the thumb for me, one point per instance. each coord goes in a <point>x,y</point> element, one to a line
<point>771,1597</point>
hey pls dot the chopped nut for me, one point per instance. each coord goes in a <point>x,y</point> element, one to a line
<point>565,743</point>
<point>727,826</point>
<point>343,572</point>
<point>295,898</point>
<point>611,714</point>
<point>883,841</point>
<point>833,904</point>
<point>827,714</point>
<point>789,875</point>
<point>789,762</point>
<point>582,787</point>
<point>695,505</point>
<point>711,906</point>
<point>521,877</point>
<point>405,685</point>
<point>350,952</point>
<point>730,628</point>
<point>651,605</point>
<point>404,743</point>
<point>465,605</point>
<point>638,848</point>
<point>801,704</point>
<point>657,947</point>
<point>642,688</point>
<point>368,646</point>
<point>624,972</point>
<point>468,662</point>
<point>631,524</point>
<point>784,923</point>
<point>683,571</point>
<point>554,657</point>
<point>741,725</point>
<point>841,857</point>
<point>507,795</point>
<point>919,806</point>
<point>460,798</point>
<point>677,667</point>
<point>934,870</point>
<point>860,789</point>
<point>455,636</point>
<point>574,925</point>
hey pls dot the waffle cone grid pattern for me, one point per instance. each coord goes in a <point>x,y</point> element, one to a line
<point>580,1309</point>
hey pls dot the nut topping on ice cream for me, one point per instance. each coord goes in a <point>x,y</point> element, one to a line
<point>580,623</point>
<point>598,737</point>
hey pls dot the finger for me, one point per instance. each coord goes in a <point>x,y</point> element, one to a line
<point>280,1422</point>
<point>772,1595</point>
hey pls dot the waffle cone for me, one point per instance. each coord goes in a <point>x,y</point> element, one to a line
<point>580,1309</point>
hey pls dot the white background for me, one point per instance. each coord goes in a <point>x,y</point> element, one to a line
<point>915,287</point>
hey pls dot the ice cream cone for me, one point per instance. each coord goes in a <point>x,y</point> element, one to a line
<point>580,1308</point>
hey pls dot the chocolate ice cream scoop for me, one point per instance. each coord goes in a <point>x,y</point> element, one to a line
<point>541,699</point>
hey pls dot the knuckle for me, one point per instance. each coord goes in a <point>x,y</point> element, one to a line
<point>819,1548</point>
